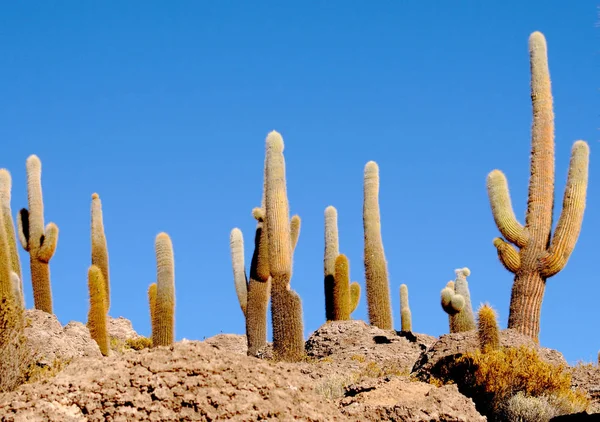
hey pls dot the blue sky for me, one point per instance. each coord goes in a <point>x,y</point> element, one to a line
<point>163,110</point>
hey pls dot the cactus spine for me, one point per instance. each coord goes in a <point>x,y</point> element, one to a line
<point>405,314</point>
<point>5,198</point>
<point>540,255</point>
<point>40,242</point>
<point>99,248</point>
<point>286,306</point>
<point>487,329</point>
<point>163,321</point>
<point>332,251</point>
<point>97,317</point>
<point>452,304</point>
<point>376,275</point>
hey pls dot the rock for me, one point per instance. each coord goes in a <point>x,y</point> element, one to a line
<point>189,381</point>
<point>399,399</point>
<point>587,378</point>
<point>576,417</point>
<point>121,329</point>
<point>51,343</point>
<point>345,341</point>
<point>235,343</point>
<point>450,345</point>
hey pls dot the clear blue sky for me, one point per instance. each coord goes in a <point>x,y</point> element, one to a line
<point>163,108</point>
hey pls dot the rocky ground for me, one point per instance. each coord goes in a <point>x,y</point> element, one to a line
<point>353,372</point>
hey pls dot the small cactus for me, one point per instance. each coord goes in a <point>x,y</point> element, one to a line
<point>464,320</point>
<point>99,247</point>
<point>97,318</point>
<point>487,329</point>
<point>405,314</point>
<point>452,304</point>
<point>163,321</point>
<point>152,302</point>
<point>376,274</point>
<point>36,239</point>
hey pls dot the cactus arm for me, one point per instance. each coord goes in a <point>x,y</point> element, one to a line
<point>509,257</point>
<point>354,295</point>
<point>152,301</point>
<point>295,225</point>
<point>571,217</point>
<point>452,303</point>
<point>48,243</point>
<point>23,228</point>
<point>538,220</point>
<point>502,209</point>
<point>97,323</point>
<point>240,280</point>
<point>331,252</point>
<point>99,245</point>
<point>341,289</point>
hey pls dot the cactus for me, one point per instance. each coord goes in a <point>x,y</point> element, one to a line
<point>405,314</point>
<point>540,255</point>
<point>99,248</point>
<point>341,289</point>
<point>354,296</point>
<point>332,251</point>
<point>152,303</point>
<point>452,304</point>
<point>463,320</point>
<point>286,306</point>
<point>5,197</point>
<point>97,318</point>
<point>40,242</point>
<point>376,275</point>
<point>163,321</point>
<point>487,329</point>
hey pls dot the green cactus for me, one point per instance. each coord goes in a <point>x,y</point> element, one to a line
<point>487,329</point>
<point>99,247</point>
<point>286,306</point>
<point>452,304</point>
<point>163,321</point>
<point>97,317</point>
<point>5,199</point>
<point>332,251</point>
<point>40,242</point>
<point>540,255</point>
<point>405,314</point>
<point>376,274</point>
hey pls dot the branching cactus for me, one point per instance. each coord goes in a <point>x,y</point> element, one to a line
<point>163,321</point>
<point>346,295</point>
<point>36,239</point>
<point>452,304</point>
<point>376,274</point>
<point>97,317</point>
<point>332,251</point>
<point>5,197</point>
<point>487,329</point>
<point>99,247</point>
<point>286,306</point>
<point>405,314</point>
<point>540,255</point>
<point>463,320</point>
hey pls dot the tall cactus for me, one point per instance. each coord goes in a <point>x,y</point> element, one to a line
<point>163,321</point>
<point>405,314</point>
<point>36,239</point>
<point>99,247</point>
<point>286,306</point>
<point>332,250</point>
<point>5,197</point>
<point>376,274</point>
<point>540,255</point>
<point>97,317</point>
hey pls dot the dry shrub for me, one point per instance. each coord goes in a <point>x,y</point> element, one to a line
<point>15,358</point>
<point>492,379</point>
<point>139,343</point>
<point>522,408</point>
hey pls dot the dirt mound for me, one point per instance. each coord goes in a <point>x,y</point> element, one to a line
<point>400,399</point>
<point>453,344</point>
<point>587,377</point>
<point>191,381</point>
<point>52,343</point>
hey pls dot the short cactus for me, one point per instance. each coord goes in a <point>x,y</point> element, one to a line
<point>97,318</point>
<point>343,301</point>
<point>487,329</point>
<point>541,255</point>
<point>405,314</point>
<point>464,320</point>
<point>452,304</point>
<point>376,274</point>
<point>163,321</point>
<point>286,306</point>
<point>152,302</point>
<point>36,239</point>
<point>99,247</point>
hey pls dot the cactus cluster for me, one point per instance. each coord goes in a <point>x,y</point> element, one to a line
<point>456,302</point>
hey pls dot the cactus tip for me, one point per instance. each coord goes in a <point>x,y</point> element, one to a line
<point>371,167</point>
<point>258,214</point>
<point>330,210</point>
<point>275,141</point>
<point>581,144</point>
<point>95,196</point>
<point>236,233</point>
